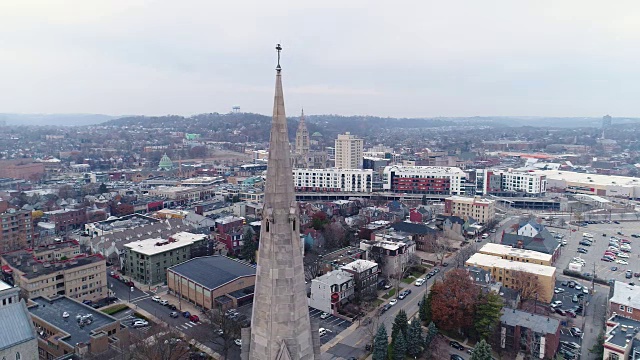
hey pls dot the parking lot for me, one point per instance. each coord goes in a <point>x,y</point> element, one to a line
<point>600,244</point>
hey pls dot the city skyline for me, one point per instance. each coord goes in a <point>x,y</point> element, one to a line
<point>432,59</point>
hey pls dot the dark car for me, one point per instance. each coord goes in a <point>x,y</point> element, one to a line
<point>186,314</point>
<point>561,312</point>
<point>565,283</point>
<point>585,243</point>
<point>172,307</point>
<point>582,250</point>
<point>456,357</point>
<point>456,345</point>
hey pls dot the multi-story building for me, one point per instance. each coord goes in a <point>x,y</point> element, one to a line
<point>18,338</point>
<point>423,179</point>
<point>147,261</point>
<point>505,271</point>
<point>59,269</point>
<point>482,210</point>
<point>213,282</point>
<point>390,251</point>
<point>26,169</point>
<point>592,184</point>
<point>508,183</point>
<point>621,339</point>
<point>229,231</point>
<point>529,334</point>
<point>17,228</point>
<point>182,194</point>
<point>84,331</point>
<point>531,235</point>
<point>514,254</point>
<point>625,300</point>
<point>67,219</point>
<point>365,276</point>
<point>349,151</point>
<point>330,180</point>
<point>331,291</point>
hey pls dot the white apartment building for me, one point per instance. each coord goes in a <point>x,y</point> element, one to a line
<point>349,151</point>
<point>331,290</point>
<point>444,180</point>
<point>499,181</point>
<point>483,210</point>
<point>339,180</point>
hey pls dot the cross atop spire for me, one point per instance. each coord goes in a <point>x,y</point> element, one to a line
<point>278,49</point>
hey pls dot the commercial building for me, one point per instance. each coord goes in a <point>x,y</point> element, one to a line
<point>26,169</point>
<point>83,330</point>
<point>213,282</point>
<point>331,291</point>
<point>483,210</point>
<point>17,228</point>
<point>592,184</point>
<point>423,179</point>
<point>349,151</point>
<point>621,338</point>
<point>335,179</point>
<point>183,193</point>
<point>505,271</point>
<point>508,182</point>
<point>514,254</point>
<point>59,269</point>
<point>365,277</point>
<point>147,261</point>
<point>531,334</point>
<point>67,219</point>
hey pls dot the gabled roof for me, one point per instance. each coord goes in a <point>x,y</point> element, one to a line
<point>412,228</point>
<point>547,245</point>
<point>627,295</point>
<point>17,327</point>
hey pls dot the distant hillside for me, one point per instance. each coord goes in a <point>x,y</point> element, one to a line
<point>54,119</point>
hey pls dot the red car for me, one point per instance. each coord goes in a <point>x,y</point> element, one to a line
<point>194,318</point>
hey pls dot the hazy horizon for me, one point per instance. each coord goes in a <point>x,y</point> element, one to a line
<point>426,59</point>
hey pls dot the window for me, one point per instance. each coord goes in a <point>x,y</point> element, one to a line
<point>18,356</point>
<point>629,309</point>
<point>621,307</point>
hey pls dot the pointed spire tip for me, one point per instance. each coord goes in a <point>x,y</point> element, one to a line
<point>278,49</point>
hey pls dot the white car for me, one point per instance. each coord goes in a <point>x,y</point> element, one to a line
<point>322,332</point>
<point>623,255</point>
<point>140,323</point>
<point>324,315</point>
<point>393,302</point>
<point>622,262</point>
<point>65,314</point>
<point>156,298</point>
<point>419,282</point>
<point>585,290</point>
<point>558,290</point>
<point>238,342</point>
<point>578,287</point>
<point>556,303</point>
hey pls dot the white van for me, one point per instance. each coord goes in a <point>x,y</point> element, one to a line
<point>587,235</point>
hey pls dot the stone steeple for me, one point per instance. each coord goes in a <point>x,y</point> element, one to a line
<point>280,323</point>
<point>302,137</point>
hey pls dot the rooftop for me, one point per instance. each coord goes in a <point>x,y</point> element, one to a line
<point>16,325</point>
<point>5,286</point>
<point>335,277</point>
<point>595,179</point>
<point>124,222</point>
<point>470,200</point>
<point>51,310</point>
<point>537,323</point>
<point>615,335</point>
<point>24,262</point>
<point>360,265</point>
<point>479,259</point>
<point>425,169</point>
<point>625,294</point>
<point>228,219</point>
<point>506,250</point>
<point>155,246</point>
<point>213,271</point>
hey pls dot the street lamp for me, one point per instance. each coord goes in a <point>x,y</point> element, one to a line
<point>130,294</point>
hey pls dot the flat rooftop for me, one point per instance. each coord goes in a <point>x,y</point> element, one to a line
<point>470,200</point>
<point>479,259</point>
<point>156,246</point>
<point>618,337</point>
<point>51,310</point>
<point>5,286</point>
<point>594,179</point>
<point>506,250</point>
<point>446,170</point>
<point>213,271</point>
<point>360,265</point>
<point>23,261</point>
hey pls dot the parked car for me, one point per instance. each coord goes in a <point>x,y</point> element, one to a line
<point>582,250</point>
<point>420,281</point>
<point>576,331</point>
<point>194,318</point>
<point>570,313</point>
<point>164,302</point>
<point>140,323</point>
<point>456,345</point>
<point>174,314</point>
<point>556,304</point>
<point>561,312</point>
<point>456,357</point>
<point>614,268</point>
<point>628,274</point>
<point>558,290</point>
<point>238,342</point>
<point>156,299</point>
<point>186,314</point>
<point>324,315</point>
<point>570,344</point>
<point>172,307</point>
<point>393,302</point>
<point>578,287</point>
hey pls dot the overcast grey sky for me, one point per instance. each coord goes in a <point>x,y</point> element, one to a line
<point>386,58</point>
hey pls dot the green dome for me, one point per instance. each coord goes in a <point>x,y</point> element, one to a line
<point>316,134</point>
<point>165,163</point>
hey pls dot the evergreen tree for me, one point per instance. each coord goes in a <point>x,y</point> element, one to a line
<point>380,344</point>
<point>414,338</point>
<point>249,246</point>
<point>482,351</point>
<point>423,308</point>
<point>426,304</point>
<point>487,314</point>
<point>400,325</point>
<point>432,331</point>
<point>399,350</point>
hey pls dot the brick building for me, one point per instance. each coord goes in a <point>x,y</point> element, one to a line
<point>531,334</point>
<point>25,169</point>
<point>17,228</point>
<point>67,219</point>
<point>229,231</point>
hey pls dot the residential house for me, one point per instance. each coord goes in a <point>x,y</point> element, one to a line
<point>365,275</point>
<point>530,334</point>
<point>531,235</point>
<point>331,291</point>
<point>421,234</point>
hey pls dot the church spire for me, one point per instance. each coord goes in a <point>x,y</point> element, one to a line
<point>280,325</point>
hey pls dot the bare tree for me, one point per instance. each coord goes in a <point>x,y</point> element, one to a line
<point>463,255</point>
<point>527,284</point>
<point>440,246</point>
<point>311,263</point>
<point>221,328</point>
<point>334,235</point>
<point>371,325</point>
<point>157,344</point>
